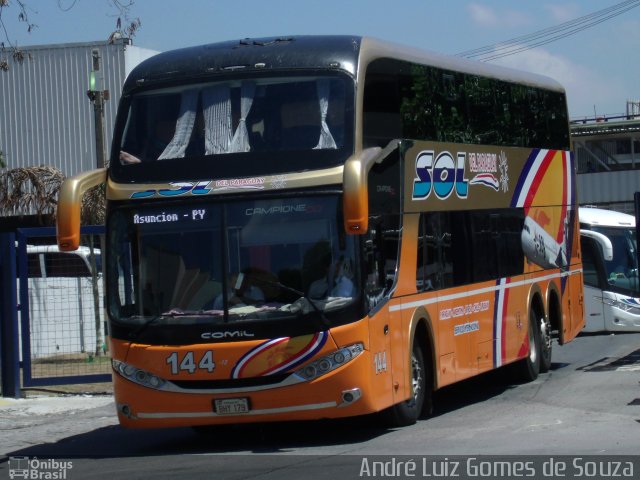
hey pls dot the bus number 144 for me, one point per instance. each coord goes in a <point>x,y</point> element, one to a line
<point>380,361</point>
<point>188,362</point>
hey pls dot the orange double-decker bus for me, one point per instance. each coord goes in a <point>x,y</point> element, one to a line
<point>321,227</point>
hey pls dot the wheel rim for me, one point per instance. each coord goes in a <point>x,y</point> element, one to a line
<point>533,350</point>
<point>545,337</point>
<point>416,380</point>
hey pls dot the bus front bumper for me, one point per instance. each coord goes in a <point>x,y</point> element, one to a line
<point>341,393</point>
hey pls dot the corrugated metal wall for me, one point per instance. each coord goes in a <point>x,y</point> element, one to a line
<point>46,117</point>
<point>608,187</point>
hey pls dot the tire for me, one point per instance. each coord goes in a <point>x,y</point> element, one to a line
<point>527,369</point>
<point>545,344</point>
<point>408,412</point>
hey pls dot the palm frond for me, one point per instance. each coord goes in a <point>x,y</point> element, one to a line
<point>34,190</point>
<point>29,190</point>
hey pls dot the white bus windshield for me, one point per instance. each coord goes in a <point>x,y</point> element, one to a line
<point>622,270</point>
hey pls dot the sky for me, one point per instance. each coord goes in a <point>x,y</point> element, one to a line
<point>598,66</point>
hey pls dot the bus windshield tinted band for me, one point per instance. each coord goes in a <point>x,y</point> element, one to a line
<point>244,261</point>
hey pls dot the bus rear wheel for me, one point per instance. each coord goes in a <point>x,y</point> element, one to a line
<point>408,412</point>
<point>527,369</point>
<point>545,344</point>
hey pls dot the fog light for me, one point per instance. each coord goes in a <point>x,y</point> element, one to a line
<point>125,410</point>
<point>350,396</point>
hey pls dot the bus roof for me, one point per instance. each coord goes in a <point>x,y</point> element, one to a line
<point>605,218</point>
<point>300,52</point>
<point>343,52</point>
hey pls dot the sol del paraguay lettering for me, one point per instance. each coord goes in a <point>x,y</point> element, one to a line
<point>181,188</point>
<point>440,175</point>
<point>201,188</point>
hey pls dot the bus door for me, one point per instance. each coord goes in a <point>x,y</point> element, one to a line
<point>381,244</point>
<point>382,251</point>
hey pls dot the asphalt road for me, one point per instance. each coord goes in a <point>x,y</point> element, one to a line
<point>588,404</point>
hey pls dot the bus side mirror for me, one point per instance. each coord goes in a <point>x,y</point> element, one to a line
<point>603,241</point>
<point>356,188</point>
<point>69,206</point>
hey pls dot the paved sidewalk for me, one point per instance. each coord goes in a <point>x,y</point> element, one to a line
<point>42,419</point>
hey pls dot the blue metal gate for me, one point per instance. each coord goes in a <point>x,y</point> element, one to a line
<point>62,322</point>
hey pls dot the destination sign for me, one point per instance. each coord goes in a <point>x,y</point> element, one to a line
<point>171,216</point>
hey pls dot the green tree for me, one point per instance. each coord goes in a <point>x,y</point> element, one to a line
<point>2,164</point>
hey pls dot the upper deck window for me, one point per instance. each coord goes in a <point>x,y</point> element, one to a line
<point>254,115</point>
<point>422,102</point>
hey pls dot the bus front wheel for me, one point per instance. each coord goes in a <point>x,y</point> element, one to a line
<point>408,412</point>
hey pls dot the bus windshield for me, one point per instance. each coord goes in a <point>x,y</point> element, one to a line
<point>252,260</point>
<point>622,270</point>
<point>185,125</point>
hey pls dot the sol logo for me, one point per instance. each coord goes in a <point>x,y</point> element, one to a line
<point>181,188</point>
<point>440,175</point>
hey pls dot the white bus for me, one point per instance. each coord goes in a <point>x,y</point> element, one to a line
<point>609,259</point>
<point>62,308</point>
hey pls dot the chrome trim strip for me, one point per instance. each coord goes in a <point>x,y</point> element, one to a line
<point>266,411</point>
<point>292,379</point>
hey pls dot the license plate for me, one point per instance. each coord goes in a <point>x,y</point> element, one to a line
<point>231,406</point>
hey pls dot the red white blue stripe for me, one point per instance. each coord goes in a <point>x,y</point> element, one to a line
<point>499,320</point>
<point>316,343</point>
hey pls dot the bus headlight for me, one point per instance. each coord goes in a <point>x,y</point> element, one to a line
<point>330,362</point>
<point>136,375</point>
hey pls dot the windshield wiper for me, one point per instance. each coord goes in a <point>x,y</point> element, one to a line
<point>323,319</point>
<point>178,312</point>
<point>145,324</point>
<point>174,312</point>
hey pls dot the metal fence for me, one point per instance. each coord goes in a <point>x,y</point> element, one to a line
<point>61,327</point>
